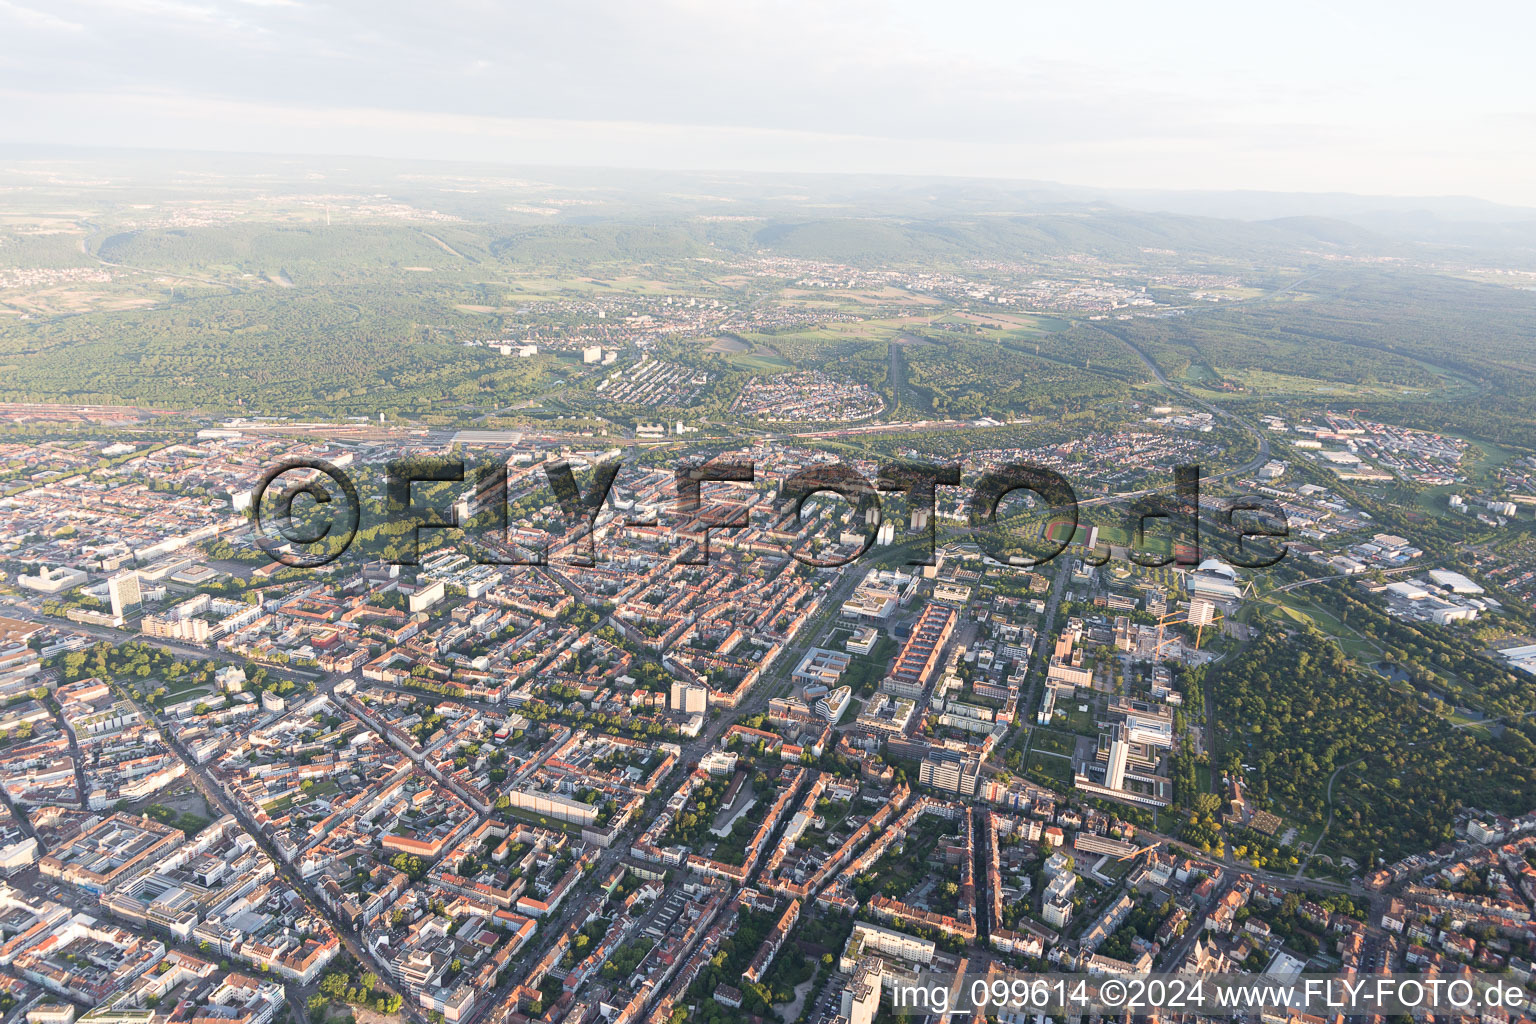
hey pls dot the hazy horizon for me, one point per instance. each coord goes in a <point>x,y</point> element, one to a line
<point>817,193</point>
<point>1203,99</point>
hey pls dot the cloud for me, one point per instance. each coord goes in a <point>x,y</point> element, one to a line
<point>167,12</point>
<point>1191,93</point>
<point>38,19</point>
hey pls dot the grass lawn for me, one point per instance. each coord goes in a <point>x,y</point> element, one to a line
<point>1053,742</point>
<point>1197,372</point>
<point>1306,835</point>
<point>1203,778</point>
<point>760,362</point>
<point>1073,720</point>
<point>1116,868</point>
<point>1269,382</point>
<point>1289,607</point>
<point>185,689</point>
<point>1055,772</point>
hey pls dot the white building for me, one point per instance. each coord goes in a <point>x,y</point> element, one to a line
<point>1455,582</point>
<point>426,597</point>
<point>1214,579</point>
<point>689,699</point>
<point>1057,913</point>
<point>124,593</point>
<point>53,581</point>
<point>230,678</point>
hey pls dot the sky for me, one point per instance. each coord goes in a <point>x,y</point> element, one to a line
<point>1404,98</point>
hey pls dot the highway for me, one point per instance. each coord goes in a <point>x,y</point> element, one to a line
<point>1288,587</point>
<point>1252,464</point>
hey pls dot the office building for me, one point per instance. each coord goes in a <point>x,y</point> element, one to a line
<point>123,591</point>
<point>1119,750</point>
<point>689,699</point>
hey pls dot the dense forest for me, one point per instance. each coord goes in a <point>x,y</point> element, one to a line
<point>1295,710</point>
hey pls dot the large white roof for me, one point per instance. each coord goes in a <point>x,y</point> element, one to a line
<point>1455,581</point>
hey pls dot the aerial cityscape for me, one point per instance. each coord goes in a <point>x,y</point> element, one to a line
<point>523,588</point>
<point>620,754</point>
